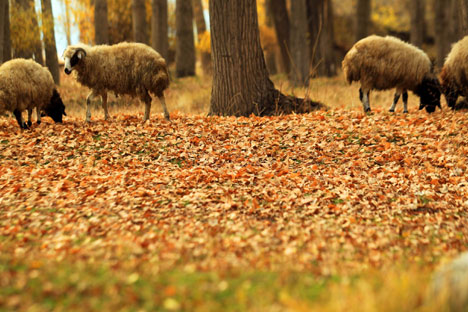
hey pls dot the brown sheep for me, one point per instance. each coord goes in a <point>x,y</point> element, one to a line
<point>25,85</point>
<point>134,69</point>
<point>381,63</point>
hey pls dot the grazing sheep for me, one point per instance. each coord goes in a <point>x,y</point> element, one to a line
<point>125,68</point>
<point>454,74</point>
<point>383,63</point>
<point>24,85</point>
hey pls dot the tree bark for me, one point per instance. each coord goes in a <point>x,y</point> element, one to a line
<point>185,45</point>
<point>363,13</point>
<point>101,24</point>
<point>463,4</point>
<point>49,41</point>
<point>205,57</point>
<point>139,21</point>
<point>159,35</point>
<point>442,41</point>
<point>2,27</point>
<point>300,43</point>
<point>6,33</point>
<point>281,24</point>
<point>241,85</point>
<point>417,10</point>
<point>320,18</point>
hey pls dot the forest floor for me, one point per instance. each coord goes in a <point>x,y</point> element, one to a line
<point>329,211</point>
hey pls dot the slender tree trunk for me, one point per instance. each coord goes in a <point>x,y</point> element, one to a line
<point>101,24</point>
<point>33,48</point>
<point>300,43</point>
<point>281,24</point>
<point>67,22</point>
<point>463,5</point>
<point>139,21</point>
<point>185,45</point>
<point>2,27</point>
<point>417,10</point>
<point>441,37</point>
<point>241,86</point>
<point>205,57</point>
<point>363,13</point>
<point>49,41</point>
<point>320,18</point>
<point>6,33</point>
<point>159,35</point>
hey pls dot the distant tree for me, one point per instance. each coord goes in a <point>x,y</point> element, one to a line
<point>66,21</point>
<point>300,43</point>
<point>159,31</point>
<point>185,45</point>
<point>205,57</point>
<point>6,33</point>
<point>3,13</point>
<point>417,10</point>
<point>49,40</point>
<point>441,26</point>
<point>463,7</point>
<point>241,85</point>
<point>281,25</point>
<point>26,39</point>
<point>139,21</point>
<point>322,37</point>
<point>101,24</point>
<point>363,15</point>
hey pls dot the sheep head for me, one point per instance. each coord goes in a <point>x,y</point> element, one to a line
<point>73,56</point>
<point>449,88</point>
<point>429,94</point>
<point>55,109</point>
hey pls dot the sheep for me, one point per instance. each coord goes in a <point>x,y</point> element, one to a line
<point>454,73</point>
<point>383,63</point>
<point>24,85</point>
<point>128,68</point>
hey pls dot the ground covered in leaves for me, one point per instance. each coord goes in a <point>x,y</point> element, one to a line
<point>331,193</point>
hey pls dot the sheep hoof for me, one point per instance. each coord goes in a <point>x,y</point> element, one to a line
<point>367,110</point>
<point>406,112</point>
<point>29,123</point>
<point>391,110</point>
<point>38,122</point>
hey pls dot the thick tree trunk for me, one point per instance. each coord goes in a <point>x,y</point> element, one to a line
<point>300,43</point>
<point>185,45</point>
<point>159,35</point>
<point>241,86</point>
<point>6,33</point>
<point>363,13</point>
<point>2,27</point>
<point>279,12</point>
<point>417,10</point>
<point>320,18</point>
<point>205,57</point>
<point>101,24</point>
<point>139,21</point>
<point>49,41</point>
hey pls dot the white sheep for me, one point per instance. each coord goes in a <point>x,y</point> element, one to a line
<point>134,69</point>
<point>382,63</point>
<point>454,74</point>
<point>25,85</point>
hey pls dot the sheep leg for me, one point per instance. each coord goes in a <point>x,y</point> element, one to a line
<point>405,102</point>
<point>364,97</point>
<point>29,117</point>
<point>104,106</point>
<point>38,114</point>
<point>147,99</point>
<point>162,99</point>
<point>19,119</point>
<point>90,96</point>
<point>395,101</point>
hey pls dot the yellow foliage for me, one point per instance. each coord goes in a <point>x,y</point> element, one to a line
<point>388,18</point>
<point>204,42</point>
<point>267,37</point>
<point>83,13</point>
<point>24,28</point>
